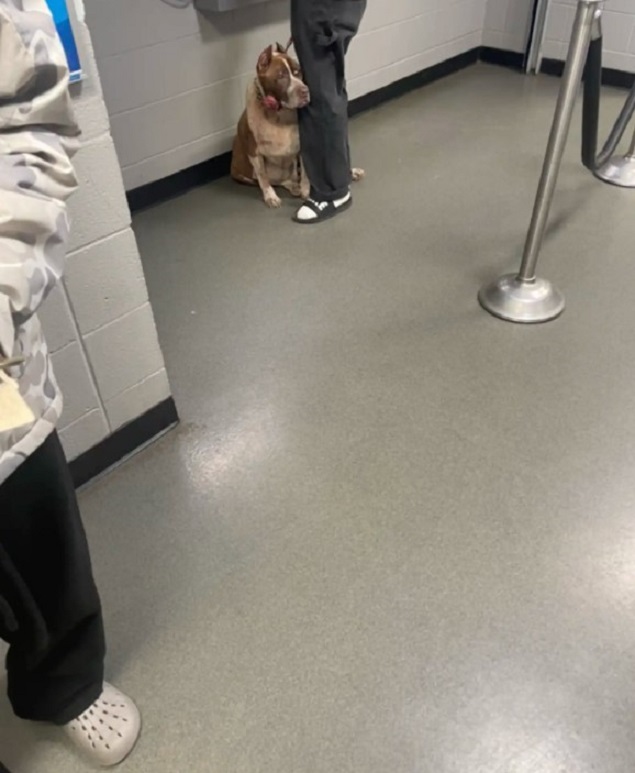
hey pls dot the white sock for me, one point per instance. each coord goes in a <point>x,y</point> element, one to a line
<point>306,213</point>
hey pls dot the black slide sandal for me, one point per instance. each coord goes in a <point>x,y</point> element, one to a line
<point>323,211</point>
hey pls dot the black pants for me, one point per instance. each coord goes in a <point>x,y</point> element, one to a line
<point>322,32</point>
<point>50,612</point>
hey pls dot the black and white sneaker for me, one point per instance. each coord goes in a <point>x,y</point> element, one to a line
<point>318,211</point>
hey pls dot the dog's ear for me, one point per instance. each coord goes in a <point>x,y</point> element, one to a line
<point>264,60</point>
<point>284,49</point>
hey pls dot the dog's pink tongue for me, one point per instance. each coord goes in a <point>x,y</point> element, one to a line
<point>271,103</point>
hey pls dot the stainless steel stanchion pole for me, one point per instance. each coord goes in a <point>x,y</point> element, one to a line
<point>524,297</point>
<point>620,170</point>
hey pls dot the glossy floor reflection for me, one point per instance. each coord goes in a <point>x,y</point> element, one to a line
<point>392,534</point>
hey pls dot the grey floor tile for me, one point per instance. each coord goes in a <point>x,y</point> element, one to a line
<point>391,533</point>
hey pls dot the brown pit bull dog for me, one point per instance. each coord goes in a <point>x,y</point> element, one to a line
<point>267,146</point>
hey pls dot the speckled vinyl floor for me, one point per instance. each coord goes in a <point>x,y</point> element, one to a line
<point>392,534</point>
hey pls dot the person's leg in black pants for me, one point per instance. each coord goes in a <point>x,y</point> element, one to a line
<point>322,31</point>
<point>50,612</point>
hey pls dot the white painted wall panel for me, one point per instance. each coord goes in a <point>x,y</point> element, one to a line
<point>174,80</point>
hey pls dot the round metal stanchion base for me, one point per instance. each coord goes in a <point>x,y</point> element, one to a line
<point>619,171</point>
<point>514,300</point>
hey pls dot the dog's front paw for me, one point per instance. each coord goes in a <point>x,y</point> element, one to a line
<point>358,174</point>
<point>272,200</point>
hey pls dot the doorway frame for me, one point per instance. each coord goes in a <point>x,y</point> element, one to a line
<point>535,43</point>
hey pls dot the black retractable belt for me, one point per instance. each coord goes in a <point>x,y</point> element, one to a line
<point>591,110</point>
<point>591,103</point>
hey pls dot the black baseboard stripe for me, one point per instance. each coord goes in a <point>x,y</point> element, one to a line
<point>509,59</point>
<point>176,184</point>
<point>215,168</point>
<point>123,442</point>
<point>615,78</point>
<point>412,82</point>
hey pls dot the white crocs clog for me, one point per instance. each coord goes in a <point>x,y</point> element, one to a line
<point>108,730</point>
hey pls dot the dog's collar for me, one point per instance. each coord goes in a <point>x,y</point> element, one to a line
<point>268,102</point>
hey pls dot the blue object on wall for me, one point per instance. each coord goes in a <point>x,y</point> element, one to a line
<point>62,20</point>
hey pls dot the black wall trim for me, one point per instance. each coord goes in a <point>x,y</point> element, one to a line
<point>411,82</point>
<point>510,59</point>
<point>176,184</point>
<point>616,78</point>
<point>122,443</point>
<point>215,168</point>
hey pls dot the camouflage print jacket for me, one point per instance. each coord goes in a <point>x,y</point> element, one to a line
<point>37,136</point>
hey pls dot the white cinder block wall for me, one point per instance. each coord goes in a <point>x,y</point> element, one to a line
<point>174,80</point>
<point>507,24</point>
<point>619,32</point>
<point>99,324</point>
